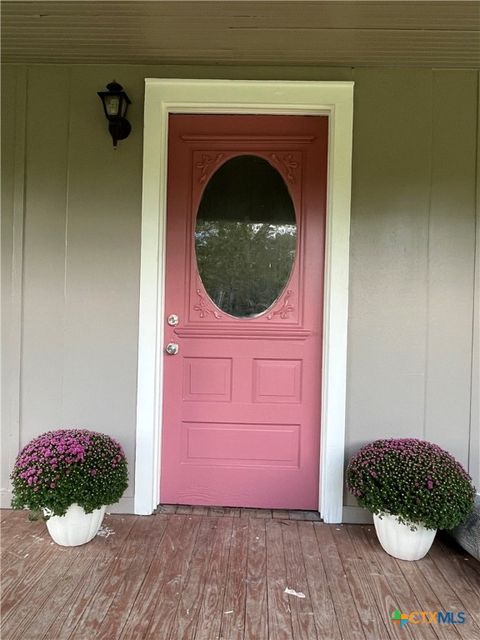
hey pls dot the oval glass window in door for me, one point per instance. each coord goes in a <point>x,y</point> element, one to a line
<point>245,236</point>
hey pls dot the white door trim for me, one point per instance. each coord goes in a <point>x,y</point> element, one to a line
<point>165,96</point>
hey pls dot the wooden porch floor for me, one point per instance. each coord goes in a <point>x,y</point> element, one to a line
<point>221,574</point>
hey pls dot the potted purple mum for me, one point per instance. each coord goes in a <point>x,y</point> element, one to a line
<point>412,487</point>
<point>69,476</point>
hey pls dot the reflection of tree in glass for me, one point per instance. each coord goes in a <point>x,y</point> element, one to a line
<point>244,266</point>
<point>245,236</point>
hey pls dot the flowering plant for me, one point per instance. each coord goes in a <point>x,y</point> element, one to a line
<point>415,480</point>
<point>68,466</point>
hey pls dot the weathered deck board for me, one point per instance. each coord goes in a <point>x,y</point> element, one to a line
<point>428,599</point>
<point>471,568</point>
<point>163,613</point>
<point>60,595</point>
<point>351,626</point>
<point>256,616</point>
<point>402,590</point>
<point>221,574</point>
<point>279,612</point>
<point>63,624</point>
<point>464,580</point>
<point>9,536</point>
<point>374,624</point>
<point>15,547</point>
<point>185,622</point>
<point>17,621</point>
<point>20,585</point>
<point>444,591</point>
<point>18,561</point>
<point>233,617</point>
<point>377,581</point>
<point>211,610</point>
<point>149,538</point>
<point>303,622</point>
<point>318,584</point>
<point>175,539</point>
<point>115,579</point>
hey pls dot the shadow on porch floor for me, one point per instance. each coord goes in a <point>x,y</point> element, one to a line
<point>223,575</point>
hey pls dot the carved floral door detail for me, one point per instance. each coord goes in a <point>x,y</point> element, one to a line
<point>241,417</point>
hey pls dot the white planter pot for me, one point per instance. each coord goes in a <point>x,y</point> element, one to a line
<point>400,541</point>
<point>76,527</point>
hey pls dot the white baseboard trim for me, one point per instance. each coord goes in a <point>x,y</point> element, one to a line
<point>356,515</point>
<point>124,506</point>
<point>5,498</point>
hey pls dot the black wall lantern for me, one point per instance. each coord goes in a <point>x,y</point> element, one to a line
<point>115,104</point>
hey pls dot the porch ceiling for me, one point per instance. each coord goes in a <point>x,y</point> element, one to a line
<point>353,33</point>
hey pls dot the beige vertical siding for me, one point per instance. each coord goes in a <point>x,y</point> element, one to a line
<point>389,238</point>
<point>102,267</point>
<point>451,266</point>
<point>475,400</point>
<point>13,175</point>
<point>412,254</point>
<point>46,204</point>
<point>413,260</point>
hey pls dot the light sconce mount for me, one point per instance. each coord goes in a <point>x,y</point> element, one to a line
<point>115,104</point>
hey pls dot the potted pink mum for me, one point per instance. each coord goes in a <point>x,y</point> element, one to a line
<point>412,487</point>
<point>69,476</point>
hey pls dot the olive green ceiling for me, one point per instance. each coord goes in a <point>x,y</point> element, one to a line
<point>381,34</point>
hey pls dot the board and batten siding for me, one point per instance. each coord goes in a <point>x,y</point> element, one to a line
<point>71,218</point>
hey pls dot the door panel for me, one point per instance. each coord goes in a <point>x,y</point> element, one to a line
<point>241,421</point>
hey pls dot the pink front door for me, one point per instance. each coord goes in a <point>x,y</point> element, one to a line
<point>244,278</point>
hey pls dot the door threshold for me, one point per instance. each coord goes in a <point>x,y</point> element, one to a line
<point>238,512</point>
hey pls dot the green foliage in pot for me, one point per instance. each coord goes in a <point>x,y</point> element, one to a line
<point>68,466</point>
<point>415,480</point>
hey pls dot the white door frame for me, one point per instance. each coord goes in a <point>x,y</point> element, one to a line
<point>165,96</point>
